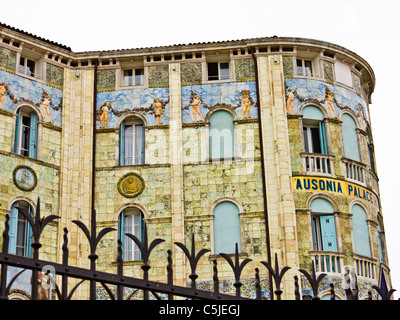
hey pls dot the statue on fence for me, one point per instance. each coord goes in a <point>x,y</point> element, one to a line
<point>350,285</point>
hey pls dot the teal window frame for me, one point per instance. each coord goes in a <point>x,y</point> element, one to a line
<point>20,233</point>
<point>134,254</point>
<point>31,135</point>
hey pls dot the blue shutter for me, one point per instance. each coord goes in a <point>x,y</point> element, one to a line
<point>12,244</point>
<point>322,138</point>
<point>222,135</point>
<point>226,228</point>
<point>360,231</point>
<point>28,244</point>
<point>328,233</point>
<point>16,140</point>
<point>122,144</point>
<point>121,227</point>
<point>350,140</point>
<point>33,136</point>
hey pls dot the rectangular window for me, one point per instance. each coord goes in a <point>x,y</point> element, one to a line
<point>27,66</point>
<point>134,144</point>
<point>24,135</point>
<point>304,67</point>
<point>133,77</point>
<point>139,77</point>
<point>218,71</point>
<point>21,235</point>
<point>132,225</point>
<point>312,142</point>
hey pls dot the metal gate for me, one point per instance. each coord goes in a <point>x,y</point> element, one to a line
<point>167,289</point>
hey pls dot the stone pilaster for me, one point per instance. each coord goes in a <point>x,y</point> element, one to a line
<point>280,200</point>
<point>176,159</point>
<point>76,166</point>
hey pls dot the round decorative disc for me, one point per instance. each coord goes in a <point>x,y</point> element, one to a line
<point>131,185</point>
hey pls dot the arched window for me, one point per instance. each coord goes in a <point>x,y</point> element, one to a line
<point>315,143</point>
<point>131,221</point>
<point>350,140</point>
<point>222,135</point>
<point>314,130</point>
<point>20,234</point>
<point>323,225</point>
<point>227,230</point>
<point>26,132</point>
<point>131,142</point>
<point>360,231</point>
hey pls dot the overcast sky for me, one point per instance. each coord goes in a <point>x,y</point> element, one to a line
<point>369,28</point>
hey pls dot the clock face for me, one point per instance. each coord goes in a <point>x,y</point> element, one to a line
<point>25,178</point>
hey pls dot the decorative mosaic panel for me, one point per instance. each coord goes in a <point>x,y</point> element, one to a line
<point>333,98</point>
<point>7,59</point>
<point>248,290</point>
<point>106,79</point>
<point>328,71</point>
<point>198,100</point>
<point>363,287</point>
<point>152,103</point>
<point>17,89</point>
<point>54,75</point>
<point>288,66</point>
<point>158,76</point>
<point>191,73</point>
<point>245,69</point>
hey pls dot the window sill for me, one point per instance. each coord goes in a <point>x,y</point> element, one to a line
<point>218,81</point>
<point>223,160</point>
<point>218,257</point>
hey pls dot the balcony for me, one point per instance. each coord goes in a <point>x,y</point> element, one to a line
<point>318,163</point>
<point>328,262</point>
<point>354,170</point>
<point>365,267</point>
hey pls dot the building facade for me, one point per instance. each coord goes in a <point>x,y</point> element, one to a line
<point>264,143</point>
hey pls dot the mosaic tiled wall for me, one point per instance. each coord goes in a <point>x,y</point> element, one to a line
<point>8,59</point>
<point>218,94</point>
<point>18,90</point>
<point>299,91</point>
<point>145,101</point>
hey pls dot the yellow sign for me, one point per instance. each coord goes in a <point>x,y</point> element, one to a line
<point>335,186</point>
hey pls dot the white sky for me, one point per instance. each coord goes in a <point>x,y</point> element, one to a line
<point>367,27</point>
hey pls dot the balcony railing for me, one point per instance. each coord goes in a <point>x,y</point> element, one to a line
<point>365,267</point>
<point>327,261</point>
<point>354,170</point>
<point>318,163</point>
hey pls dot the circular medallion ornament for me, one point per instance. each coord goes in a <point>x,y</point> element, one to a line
<point>131,185</point>
<point>25,178</point>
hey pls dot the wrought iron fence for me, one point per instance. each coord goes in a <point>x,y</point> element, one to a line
<point>168,288</point>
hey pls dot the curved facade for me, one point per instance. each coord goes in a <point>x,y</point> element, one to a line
<point>265,143</point>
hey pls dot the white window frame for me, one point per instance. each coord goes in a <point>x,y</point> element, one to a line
<point>133,83</point>
<point>133,122</point>
<point>131,250</point>
<point>303,66</point>
<point>308,127</point>
<point>219,70</point>
<point>20,133</point>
